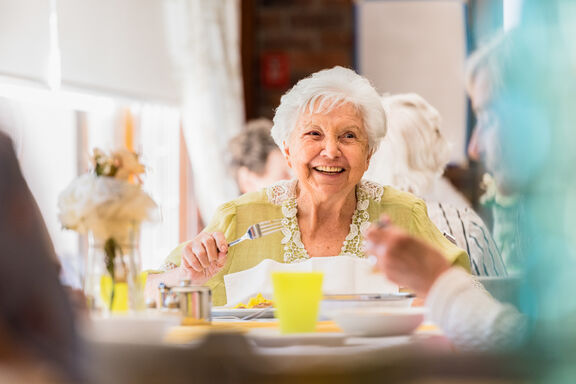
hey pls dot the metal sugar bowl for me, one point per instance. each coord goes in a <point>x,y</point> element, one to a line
<point>195,303</point>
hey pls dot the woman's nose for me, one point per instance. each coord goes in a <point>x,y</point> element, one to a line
<point>473,148</point>
<point>475,145</point>
<point>331,147</point>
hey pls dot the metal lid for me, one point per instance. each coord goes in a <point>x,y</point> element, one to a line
<point>162,287</point>
<point>190,288</point>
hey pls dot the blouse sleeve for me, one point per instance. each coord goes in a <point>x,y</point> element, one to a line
<point>422,226</point>
<point>223,221</point>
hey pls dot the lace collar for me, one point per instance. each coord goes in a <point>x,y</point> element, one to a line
<point>284,194</point>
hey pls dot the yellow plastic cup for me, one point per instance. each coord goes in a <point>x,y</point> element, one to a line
<point>297,298</point>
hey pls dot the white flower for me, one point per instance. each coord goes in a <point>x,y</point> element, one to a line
<point>107,206</point>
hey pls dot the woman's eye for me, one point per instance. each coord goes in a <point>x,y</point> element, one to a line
<point>349,135</point>
<point>313,133</point>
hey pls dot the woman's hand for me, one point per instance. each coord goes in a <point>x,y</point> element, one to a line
<point>404,259</point>
<point>204,256</point>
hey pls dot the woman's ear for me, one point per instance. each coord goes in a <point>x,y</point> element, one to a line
<point>286,152</point>
<point>370,153</point>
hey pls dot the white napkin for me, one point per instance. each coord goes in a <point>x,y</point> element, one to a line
<point>342,274</point>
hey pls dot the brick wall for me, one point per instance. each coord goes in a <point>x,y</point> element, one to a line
<point>300,37</point>
<point>309,35</point>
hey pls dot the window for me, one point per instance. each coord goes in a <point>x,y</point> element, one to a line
<point>54,134</point>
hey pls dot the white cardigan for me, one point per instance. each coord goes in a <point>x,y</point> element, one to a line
<point>471,318</point>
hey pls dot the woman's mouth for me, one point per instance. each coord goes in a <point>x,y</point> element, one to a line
<point>329,170</point>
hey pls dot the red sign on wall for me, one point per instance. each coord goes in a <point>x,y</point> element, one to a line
<point>275,71</point>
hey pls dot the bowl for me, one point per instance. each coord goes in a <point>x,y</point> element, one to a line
<point>128,328</point>
<point>379,321</point>
<point>332,303</point>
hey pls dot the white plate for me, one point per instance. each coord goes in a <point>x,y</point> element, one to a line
<point>243,313</point>
<point>332,303</point>
<point>271,337</point>
<point>391,321</point>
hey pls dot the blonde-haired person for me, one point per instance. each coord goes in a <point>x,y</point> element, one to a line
<point>412,157</point>
<point>414,153</point>
<point>328,127</point>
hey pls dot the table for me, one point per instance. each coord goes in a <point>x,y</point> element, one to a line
<point>224,352</point>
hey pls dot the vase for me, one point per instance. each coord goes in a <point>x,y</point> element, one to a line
<point>113,280</point>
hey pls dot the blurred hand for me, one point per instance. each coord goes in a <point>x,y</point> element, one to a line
<point>204,256</point>
<point>404,259</point>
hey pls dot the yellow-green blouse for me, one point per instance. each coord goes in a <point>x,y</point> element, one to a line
<point>279,201</point>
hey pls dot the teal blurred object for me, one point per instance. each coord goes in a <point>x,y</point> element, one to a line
<point>537,111</point>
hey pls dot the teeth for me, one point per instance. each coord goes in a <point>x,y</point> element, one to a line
<point>329,169</point>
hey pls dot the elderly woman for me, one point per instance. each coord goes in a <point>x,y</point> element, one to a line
<point>412,158</point>
<point>415,152</point>
<point>326,126</point>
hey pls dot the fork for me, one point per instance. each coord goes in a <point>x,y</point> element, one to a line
<point>252,316</point>
<point>257,315</point>
<point>258,230</point>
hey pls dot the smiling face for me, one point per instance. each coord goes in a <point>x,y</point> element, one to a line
<point>329,152</point>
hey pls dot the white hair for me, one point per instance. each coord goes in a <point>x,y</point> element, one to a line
<point>488,59</point>
<point>414,153</point>
<point>321,93</point>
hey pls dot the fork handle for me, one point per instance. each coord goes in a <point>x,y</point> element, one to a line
<point>241,239</point>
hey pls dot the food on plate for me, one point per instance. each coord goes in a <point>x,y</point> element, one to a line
<point>258,301</point>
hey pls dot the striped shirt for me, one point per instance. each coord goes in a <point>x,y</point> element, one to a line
<point>470,234</point>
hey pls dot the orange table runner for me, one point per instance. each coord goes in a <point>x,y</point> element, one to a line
<point>186,334</point>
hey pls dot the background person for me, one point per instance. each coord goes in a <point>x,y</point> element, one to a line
<point>484,82</point>
<point>457,303</point>
<point>519,86</point>
<point>327,126</point>
<point>255,159</point>
<point>37,328</point>
<point>414,154</point>
<point>412,157</point>
<point>469,317</point>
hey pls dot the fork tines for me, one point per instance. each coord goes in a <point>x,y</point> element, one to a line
<point>267,227</point>
<point>258,230</point>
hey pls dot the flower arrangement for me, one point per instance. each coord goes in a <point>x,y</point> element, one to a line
<point>110,203</point>
<point>109,199</point>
